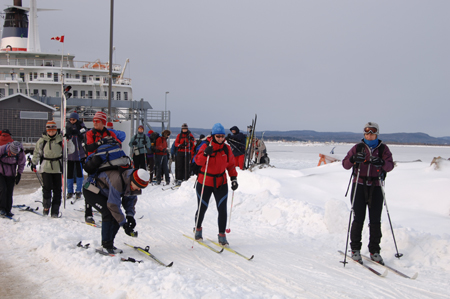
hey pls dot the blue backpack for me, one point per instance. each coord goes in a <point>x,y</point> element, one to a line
<point>108,156</point>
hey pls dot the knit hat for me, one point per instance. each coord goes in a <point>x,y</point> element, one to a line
<point>109,125</point>
<point>101,116</point>
<point>184,126</point>
<point>141,126</point>
<point>201,136</point>
<point>218,129</point>
<point>74,115</point>
<point>166,133</point>
<point>51,125</point>
<point>140,178</point>
<point>6,131</point>
<point>14,147</point>
<point>372,125</point>
<point>150,132</point>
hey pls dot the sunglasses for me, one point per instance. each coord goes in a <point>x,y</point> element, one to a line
<point>220,136</point>
<point>372,130</point>
<point>50,128</point>
<point>96,121</point>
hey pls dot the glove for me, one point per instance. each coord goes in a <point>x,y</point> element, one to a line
<point>131,221</point>
<point>208,151</point>
<point>18,176</point>
<point>184,144</point>
<point>234,183</point>
<point>134,143</point>
<point>128,230</point>
<point>33,167</point>
<point>358,158</point>
<point>376,161</point>
<point>144,142</point>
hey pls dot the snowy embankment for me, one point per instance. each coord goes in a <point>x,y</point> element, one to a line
<point>293,218</point>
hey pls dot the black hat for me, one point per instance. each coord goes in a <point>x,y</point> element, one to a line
<point>6,131</point>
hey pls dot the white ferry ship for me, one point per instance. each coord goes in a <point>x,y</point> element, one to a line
<point>36,76</point>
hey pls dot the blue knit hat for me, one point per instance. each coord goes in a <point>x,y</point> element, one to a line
<point>74,115</point>
<point>217,129</point>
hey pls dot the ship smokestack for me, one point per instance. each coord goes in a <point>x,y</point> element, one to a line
<point>17,2</point>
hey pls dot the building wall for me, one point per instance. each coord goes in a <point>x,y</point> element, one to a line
<point>22,127</point>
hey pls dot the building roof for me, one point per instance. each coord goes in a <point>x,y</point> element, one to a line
<point>28,98</point>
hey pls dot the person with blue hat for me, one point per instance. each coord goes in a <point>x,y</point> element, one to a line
<point>214,158</point>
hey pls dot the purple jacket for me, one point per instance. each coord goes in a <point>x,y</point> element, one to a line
<point>367,169</point>
<point>9,164</point>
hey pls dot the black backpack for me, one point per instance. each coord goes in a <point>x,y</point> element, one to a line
<point>153,137</point>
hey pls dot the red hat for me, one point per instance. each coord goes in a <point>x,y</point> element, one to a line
<point>109,125</point>
<point>150,132</point>
<point>101,116</point>
<point>140,178</point>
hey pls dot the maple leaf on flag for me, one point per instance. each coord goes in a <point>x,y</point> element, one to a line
<point>58,38</point>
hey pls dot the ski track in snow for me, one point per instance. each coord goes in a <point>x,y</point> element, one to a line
<point>292,220</point>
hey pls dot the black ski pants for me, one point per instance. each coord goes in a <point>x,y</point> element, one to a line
<point>151,166</point>
<point>110,226</point>
<point>375,207</point>
<point>139,161</point>
<point>182,166</point>
<point>162,167</point>
<point>51,184</point>
<point>221,196</point>
<point>6,192</point>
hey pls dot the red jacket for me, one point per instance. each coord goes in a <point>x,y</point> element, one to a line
<point>161,146</point>
<point>5,139</point>
<point>93,136</point>
<point>218,162</point>
<point>181,139</point>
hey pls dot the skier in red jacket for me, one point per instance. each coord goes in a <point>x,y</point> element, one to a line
<point>214,159</point>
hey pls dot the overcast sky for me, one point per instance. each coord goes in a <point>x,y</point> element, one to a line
<point>300,65</point>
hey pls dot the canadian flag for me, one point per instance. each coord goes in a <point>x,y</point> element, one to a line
<point>59,38</point>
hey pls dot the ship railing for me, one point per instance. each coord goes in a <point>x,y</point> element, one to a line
<point>95,65</point>
<point>158,116</point>
<point>14,78</point>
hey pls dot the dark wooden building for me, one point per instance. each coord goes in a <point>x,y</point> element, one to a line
<point>24,117</point>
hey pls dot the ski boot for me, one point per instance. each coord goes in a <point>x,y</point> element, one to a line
<point>356,256</point>
<point>78,195</point>
<point>108,246</point>
<point>376,257</point>
<point>46,211</point>
<point>69,195</point>
<point>9,214</point>
<point>223,240</point>
<point>89,219</point>
<point>198,234</point>
<point>3,212</point>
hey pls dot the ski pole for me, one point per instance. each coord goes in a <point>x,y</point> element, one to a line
<point>201,195</point>
<point>228,230</point>
<point>351,212</point>
<point>397,255</point>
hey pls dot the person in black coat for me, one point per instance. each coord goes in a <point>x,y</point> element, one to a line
<point>237,143</point>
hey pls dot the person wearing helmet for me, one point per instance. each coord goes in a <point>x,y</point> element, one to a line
<point>214,158</point>
<point>112,190</point>
<point>370,159</point>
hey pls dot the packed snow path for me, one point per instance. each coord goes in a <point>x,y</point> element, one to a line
<point>293,221</point>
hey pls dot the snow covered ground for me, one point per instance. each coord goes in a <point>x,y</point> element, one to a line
<point>292,218</point>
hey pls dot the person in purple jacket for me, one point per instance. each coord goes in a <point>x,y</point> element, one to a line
<point>371,160</point>
<point>12,163</point>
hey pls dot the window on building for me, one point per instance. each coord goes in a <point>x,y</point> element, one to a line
<point>2,92</point>
<point>10,91</point>
<point>41,75</point>
<point>118,95</point>
<point>125,95</point>
<point>22,76</point>
<point>84,79</point>
<point>57,94</point>
<point>44,92</point>
<point>105,94</point>
<point>55,77</point>
<point>75,93</point>
<point>31,77</point>
<point>35,92</point>
<point>35,75</point>
<point>90,93</point>
<point>49,75</point>
<point>82,94</point>
<point>97,94</point>
<point>77,76</point>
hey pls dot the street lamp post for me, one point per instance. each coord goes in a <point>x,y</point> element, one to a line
<point>165,102</point>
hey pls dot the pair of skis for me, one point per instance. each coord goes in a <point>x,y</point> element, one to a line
<point>222,248</point>
<point>249,144</point>
<point>387,268</point>
<point>99,251</point>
